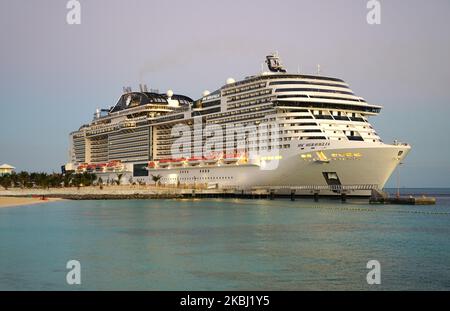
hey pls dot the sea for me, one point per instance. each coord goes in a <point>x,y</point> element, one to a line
<point>227,244</point>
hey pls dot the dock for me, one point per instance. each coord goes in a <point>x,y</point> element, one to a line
<point>379,197</point>
<point>314,192</point>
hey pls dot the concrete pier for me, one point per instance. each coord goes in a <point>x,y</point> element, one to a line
<point>379,197</point>
<point>404,200</point>
<point>343,192</point>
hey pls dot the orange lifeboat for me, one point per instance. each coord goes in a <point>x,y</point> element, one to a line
<point>178,162</point>
<point>114,164</point>
<point>231,158</point>
<point>100,167</point>
<point>91,167</point>
<point>164,162</point>
<point>195,160</point>
<point>82,167</point>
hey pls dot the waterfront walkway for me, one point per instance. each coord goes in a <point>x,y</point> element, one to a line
<point>152,191</point>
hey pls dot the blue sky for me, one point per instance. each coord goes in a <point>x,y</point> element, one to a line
<point>53,75</point>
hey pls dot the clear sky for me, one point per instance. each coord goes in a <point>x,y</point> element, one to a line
<point>53,75</point>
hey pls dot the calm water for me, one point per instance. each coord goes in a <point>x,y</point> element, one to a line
<point>226,244</point>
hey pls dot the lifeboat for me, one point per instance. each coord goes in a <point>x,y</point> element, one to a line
<point>231,158</point>
<point>211,159</point>
<point>100,167</point>
<point>113,165</point>
<point>82,167</point>
<point>164,162</point>
<point>91,167</point>
<point>195,160</point>
<point>178,162</point>
<point>151,165</point>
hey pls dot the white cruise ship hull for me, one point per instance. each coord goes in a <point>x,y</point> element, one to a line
<point>370,168</point>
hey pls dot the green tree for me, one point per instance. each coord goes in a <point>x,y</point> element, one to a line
<point>67,178</point>
<point>14,179</point>
<point>5,181</point>
<point>119,177</point>
<point>86,179</point>
<point>44,180</point>
<point>100,182</point>
<point>76,180</point>
<point>56,180</point>
<point>156,178</point>
<point>24,179</point>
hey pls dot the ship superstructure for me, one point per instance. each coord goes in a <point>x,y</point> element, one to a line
<point>274,129</point>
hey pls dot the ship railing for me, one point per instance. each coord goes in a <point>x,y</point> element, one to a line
<point>338,188</point>
<point>399,143</point>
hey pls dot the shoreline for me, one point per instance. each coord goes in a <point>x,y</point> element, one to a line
<point>128,192</point>
<point>15,201</point>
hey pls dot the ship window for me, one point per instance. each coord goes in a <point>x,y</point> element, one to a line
<point>311,90</point>
<point>307,82</point>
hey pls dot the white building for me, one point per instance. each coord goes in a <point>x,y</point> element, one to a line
<point>6,169</point>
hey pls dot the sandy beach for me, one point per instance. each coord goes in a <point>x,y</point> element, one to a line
<point>18,201</point>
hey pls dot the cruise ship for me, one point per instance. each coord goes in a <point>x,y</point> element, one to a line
<point>274,130</point>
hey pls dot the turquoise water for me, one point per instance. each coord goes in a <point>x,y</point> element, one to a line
<point>225,244</point>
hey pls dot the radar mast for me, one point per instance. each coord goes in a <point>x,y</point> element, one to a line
<point>274,63</point>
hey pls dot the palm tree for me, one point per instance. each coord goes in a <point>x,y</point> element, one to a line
<point>156,178</point>
<point>44,180</point>
<point>5,181</point>
<point>24,179</point>
<point>77,180</point>
<point>33,179</point>
<point>87,178</point>
<point>100,183</point>
<point>119,177</point>
<point>67,178</point>
<point>14,179</point>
